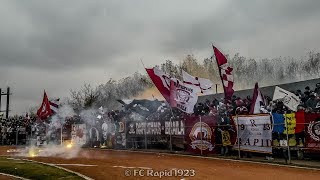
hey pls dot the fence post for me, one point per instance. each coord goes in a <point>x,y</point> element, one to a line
<point>170,133</point>
<point>125,133</point>
<point>238,136</point>
<point>288,146</point>
<point>17,130</point>
<point>201,136</point>
<point>145,135</point>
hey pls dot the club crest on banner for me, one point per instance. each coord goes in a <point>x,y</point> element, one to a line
<point>202,131</point>
<point>183,96</point>
<point>314,130</point>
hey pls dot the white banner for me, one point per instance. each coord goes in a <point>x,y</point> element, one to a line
<point>288,98</point>
<point>79,134</point>
<point>255,133</point>
<point>199,84</point>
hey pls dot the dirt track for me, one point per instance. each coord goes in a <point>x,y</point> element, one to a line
<point>112,165</point>
<point>3,177</point>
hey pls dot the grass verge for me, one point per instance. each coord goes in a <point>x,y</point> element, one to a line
<point>31,170</point>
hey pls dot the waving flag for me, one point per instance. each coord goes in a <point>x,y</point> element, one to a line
<point>257,100</point>
<point>182,96</point>
<point>288,98</point>
<point>199,84</point>
<point>225,73</point>
<point>161,81</point>
<point>44,111</point>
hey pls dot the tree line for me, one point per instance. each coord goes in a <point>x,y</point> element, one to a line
<point>246,72</point>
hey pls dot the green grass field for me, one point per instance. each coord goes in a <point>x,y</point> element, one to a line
<point>33,170</point>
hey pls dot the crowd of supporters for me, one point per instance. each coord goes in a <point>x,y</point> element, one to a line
<point>26,126</point>
<point>310,102</point>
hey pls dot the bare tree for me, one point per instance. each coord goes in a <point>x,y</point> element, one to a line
<point>84,98</point>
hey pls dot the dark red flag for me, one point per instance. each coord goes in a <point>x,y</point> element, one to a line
<point>44,111</point>
<point>225,73</point>
<point>221,59</point>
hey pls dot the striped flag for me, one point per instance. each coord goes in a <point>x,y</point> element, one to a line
<point>199,84</point>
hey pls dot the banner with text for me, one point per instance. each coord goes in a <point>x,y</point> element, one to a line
<point>255,133</point>
<point>140,128</point>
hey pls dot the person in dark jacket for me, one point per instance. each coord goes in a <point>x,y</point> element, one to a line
<point>317,90</point>
<point>312,102</point>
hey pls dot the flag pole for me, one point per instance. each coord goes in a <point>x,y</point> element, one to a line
<point>172,116</point>
<point>219,69</point>
<point>142,63</point>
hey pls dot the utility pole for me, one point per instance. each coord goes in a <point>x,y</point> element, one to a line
<point>8,101</point>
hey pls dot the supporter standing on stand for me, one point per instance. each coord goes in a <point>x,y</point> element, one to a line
<point>312,102</point>
<point>317,90</point>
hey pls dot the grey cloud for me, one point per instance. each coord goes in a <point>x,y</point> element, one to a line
<point>78,34</point>
<point>58,45</point>
<point>240,21</point>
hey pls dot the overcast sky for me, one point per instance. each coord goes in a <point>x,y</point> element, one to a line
<point>58,45</point>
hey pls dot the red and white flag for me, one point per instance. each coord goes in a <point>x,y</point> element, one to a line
<point>44,111</point>
<point>182,96</point>
<point>199,84</point>
<point>257,100</point>
<point>161,81</point>
<point>225,73</point>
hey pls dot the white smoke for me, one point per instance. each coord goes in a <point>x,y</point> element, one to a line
<point>51,150</point>
<point>59,119</point>
<point>53,146</point>
<point>89,116</point>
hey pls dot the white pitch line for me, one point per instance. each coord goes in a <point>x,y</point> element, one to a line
<point>11,158</point>
<point>75,165</point>
<point>128,167</point>
<point>59,167</point>
<point>10,175</point>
